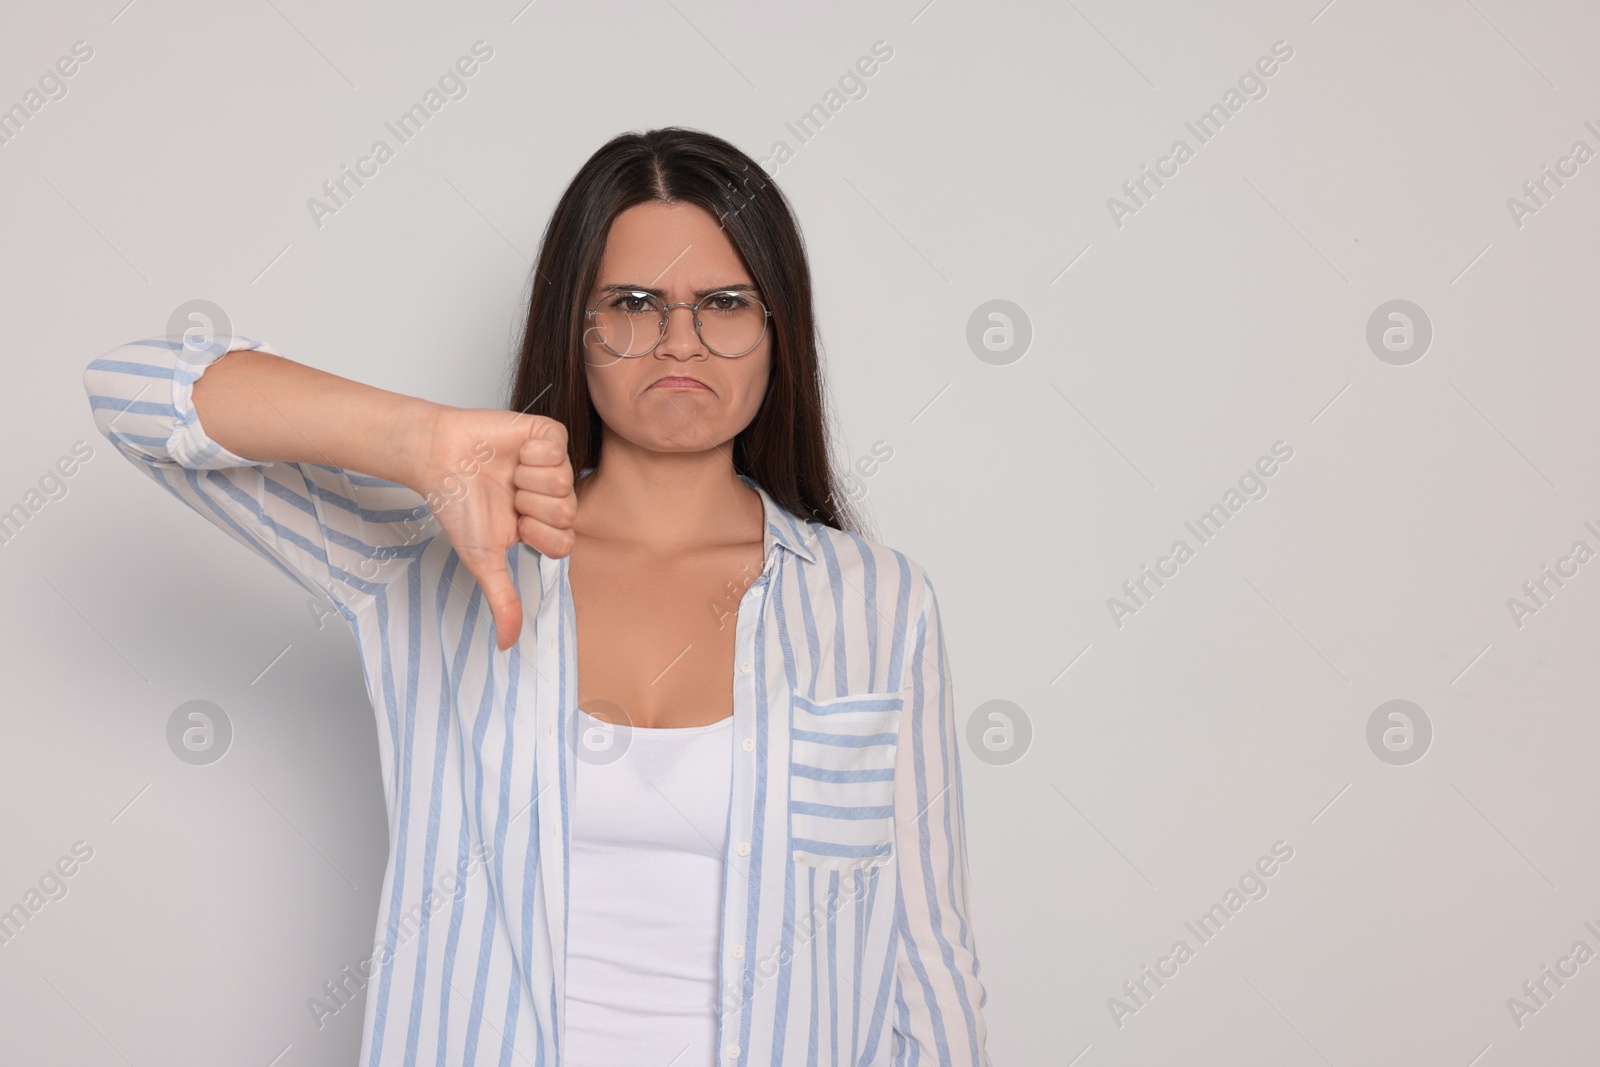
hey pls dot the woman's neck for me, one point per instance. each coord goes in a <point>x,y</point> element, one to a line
<point>667,501</point>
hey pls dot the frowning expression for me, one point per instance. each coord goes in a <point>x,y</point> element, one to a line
<point>681,396</point>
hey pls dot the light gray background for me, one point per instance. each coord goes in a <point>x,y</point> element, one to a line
<point>1167,356</point>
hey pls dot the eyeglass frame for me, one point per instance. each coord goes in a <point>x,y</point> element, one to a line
<point>666,313</point>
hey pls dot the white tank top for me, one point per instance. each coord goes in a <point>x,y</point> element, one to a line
<point>649,832</point>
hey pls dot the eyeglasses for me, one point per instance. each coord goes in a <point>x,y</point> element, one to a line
<point>631,322</point>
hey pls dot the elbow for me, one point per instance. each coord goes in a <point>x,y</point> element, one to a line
<point>104,403</point>
<point>96,389</point>
<point>130,394</point>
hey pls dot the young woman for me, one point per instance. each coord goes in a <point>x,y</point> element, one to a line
<point>670,749</point>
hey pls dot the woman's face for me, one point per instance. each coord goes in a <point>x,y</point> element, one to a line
<point>678,249</point>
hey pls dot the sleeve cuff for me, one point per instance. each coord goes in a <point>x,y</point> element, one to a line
<point>189,445</point>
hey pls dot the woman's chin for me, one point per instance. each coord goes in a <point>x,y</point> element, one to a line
<point>680,439</point>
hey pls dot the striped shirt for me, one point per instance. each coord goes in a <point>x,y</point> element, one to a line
<point>845,934</point>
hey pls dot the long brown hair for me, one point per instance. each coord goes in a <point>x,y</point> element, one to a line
<point>786,446</point>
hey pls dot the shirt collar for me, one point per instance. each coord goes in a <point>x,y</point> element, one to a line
<point>783,526</point>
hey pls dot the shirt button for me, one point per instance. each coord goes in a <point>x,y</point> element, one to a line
<point>744,848</point>
<point>747,667</point>
<point>749,744</point>
<point>732,1052</point>
<point>738,952</point>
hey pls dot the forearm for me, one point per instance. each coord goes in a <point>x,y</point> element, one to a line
<point>271,409</point>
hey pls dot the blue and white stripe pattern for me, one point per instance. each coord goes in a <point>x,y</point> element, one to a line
<point>846,936</point>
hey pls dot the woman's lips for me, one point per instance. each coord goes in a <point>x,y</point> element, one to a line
<point>678,383</point>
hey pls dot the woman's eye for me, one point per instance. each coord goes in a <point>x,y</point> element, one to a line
<point>632,303</point>
<point>728,302</point>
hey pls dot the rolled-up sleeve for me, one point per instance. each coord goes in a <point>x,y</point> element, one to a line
<point>340,535</point>
<point>939,999</point>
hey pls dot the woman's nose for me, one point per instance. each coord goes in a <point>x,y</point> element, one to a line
<point>681,339</point>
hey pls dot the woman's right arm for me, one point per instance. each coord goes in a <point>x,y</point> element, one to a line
<point>275,462</point>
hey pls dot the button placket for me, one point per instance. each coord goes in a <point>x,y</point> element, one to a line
<point>735,908</point>
<point>549,758</point>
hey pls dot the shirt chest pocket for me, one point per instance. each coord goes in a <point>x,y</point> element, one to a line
<point>841,780</point>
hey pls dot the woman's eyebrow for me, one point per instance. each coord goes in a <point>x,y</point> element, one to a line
<point>699,294</point>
